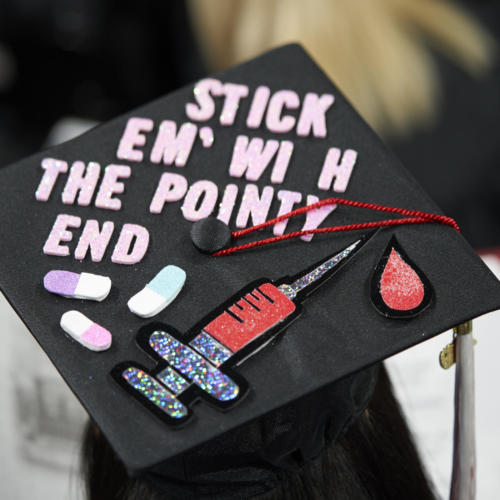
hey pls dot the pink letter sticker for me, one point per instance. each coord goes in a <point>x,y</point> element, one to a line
<point>171,146</point>
<point>282,161</point>
<point>94,239</point>
<point>313,114</point>
<point>83,180</point>
<point>251,159</point>
<point>207,192</point>
<point>227,204</point>
<point>254,205</point>
<point>258,107</point>
<point>133,236</point>
<point>233,92</point>
<point>60,233</point>
<point>52,169</point>
<point>281,99</point>
<point>172,187</point>
<point>111,186</point>
<point>340,171</point>
<point>288,200</point>
<point>203,92</point>
<point>315,217</point>
<point>132,137</point>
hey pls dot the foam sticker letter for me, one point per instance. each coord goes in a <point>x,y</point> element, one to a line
<point>288,200</point>
<point>132,137</point>
<point>313,114</point>
<point>131,233</point>
<point>254,206</point>
<point>258,107</point>
<point>52,169</point>
<point>251,158</point>
<point>275,122</point>
<point>315,217</point>
<point>171,146</point>
<point>233,92</point>
<point>172,187</point>
<point>203,92</point>
<point>60,233</point>
<point>83,180</point>
<point>227,204</point>
<point>195,210</point>
<point>111,186</point>
<point>95,239</point>
<point>338,169</point>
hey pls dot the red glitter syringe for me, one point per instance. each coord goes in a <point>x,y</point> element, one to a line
<point>237,330</point>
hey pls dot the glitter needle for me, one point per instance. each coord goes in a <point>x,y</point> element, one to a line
<point>291,290</point>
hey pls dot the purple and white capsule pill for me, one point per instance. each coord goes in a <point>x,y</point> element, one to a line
<point>77,285</point>
<point>85,331</point>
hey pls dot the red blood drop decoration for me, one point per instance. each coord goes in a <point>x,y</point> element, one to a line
<point>400,286</point>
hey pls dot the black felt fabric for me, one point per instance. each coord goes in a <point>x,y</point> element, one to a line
<point>339,331</point>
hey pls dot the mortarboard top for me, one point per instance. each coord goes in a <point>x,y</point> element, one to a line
<point>339,329</point>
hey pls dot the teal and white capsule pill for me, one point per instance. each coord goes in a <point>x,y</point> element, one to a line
<point>158,293</point>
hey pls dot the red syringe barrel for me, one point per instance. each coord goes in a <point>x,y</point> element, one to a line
<point>250,317</point>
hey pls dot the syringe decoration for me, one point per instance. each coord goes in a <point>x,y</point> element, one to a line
<point>201,364</point>
<point>193,366</point>
<point>250,317</point>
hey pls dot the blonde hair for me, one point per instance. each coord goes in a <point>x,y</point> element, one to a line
<point>377,51</point>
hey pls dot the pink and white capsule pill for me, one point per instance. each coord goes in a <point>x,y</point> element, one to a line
<point>85,331</point>
<point>77,285</point>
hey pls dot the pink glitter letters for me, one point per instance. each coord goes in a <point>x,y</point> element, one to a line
<point>233,92</point>
<point>111,186</point>
<point>282,161</point>
<point>315,217</point>
<point>206,135</point>
<point>258,107</point>
<point>340,171</point>
<point>172,187</point>
<point>123,253</point>
<point>281,99</point>
<point>171,146</point>
<point>251,158</point>
<point>254,206</point>
<point>83,180</point>
<point>288,200</point>
<point>132,137</point>
<point>193,209</point>
<point>60,233</point>
<point>52,169</point>
<point>312,115</point>
<point>227,204</point>
<point>203,92</point>
<point>94,239</point>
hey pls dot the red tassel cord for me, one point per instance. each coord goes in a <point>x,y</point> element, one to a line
<point>411,217</point>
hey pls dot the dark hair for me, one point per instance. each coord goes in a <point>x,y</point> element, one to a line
<point>374,459</point>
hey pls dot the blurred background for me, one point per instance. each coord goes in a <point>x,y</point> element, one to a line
<point>425,74</point>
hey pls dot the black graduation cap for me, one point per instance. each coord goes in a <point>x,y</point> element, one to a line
<point>202,344</point>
